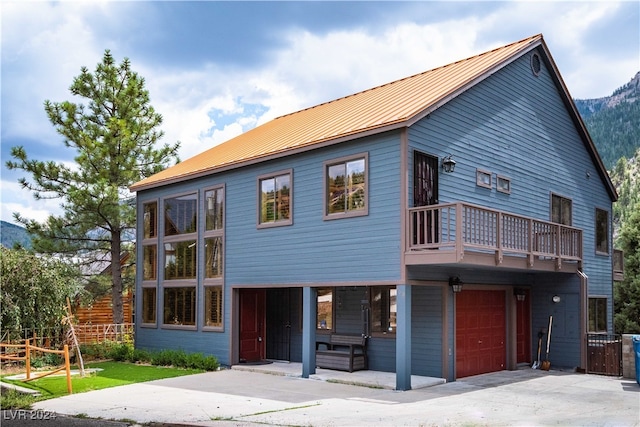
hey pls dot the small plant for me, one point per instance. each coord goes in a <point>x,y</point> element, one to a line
<point>12,399</point>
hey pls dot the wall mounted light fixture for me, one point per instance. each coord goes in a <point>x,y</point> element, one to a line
<point>556,299</point>
<point>448,164</point>
<point>520,294</point>
<point>456,284</point>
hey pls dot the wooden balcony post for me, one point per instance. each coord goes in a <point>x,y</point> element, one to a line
<point>499,238</point>
<point>558,251</point>
<point>460,222</point>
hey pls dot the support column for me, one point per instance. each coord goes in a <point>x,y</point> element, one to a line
<point>403,338</point>
<point>309,316</point>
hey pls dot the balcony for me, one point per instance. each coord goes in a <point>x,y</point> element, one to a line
<point>468,234</point>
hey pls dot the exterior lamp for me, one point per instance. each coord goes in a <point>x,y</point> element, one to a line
<point>448,164</point>
<point>556,299</point>
<point>456,284</point>
<point>520,294</point>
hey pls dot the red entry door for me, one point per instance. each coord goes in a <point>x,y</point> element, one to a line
<point>480,332</point>
<point>252,324</point>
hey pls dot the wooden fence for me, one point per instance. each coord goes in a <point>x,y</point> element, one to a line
<point>22,352</point>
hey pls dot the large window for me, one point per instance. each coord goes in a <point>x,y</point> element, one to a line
<point>602,231</point>
<point>597,314</point>
<point>346,187</point>
<point>325,309</point>
<point>275,201</point>
<point>180,260</point>
<point>384,309</point>
<point>561,210</point>
<point>213,259</point>
<point>149,262</point>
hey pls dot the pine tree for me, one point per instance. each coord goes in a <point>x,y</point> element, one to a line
<point>115,138</point>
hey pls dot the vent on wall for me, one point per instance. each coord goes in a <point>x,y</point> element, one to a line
<point>535,64</point>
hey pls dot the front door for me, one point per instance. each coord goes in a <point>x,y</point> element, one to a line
<point>425,193</point>
<point>279,324</point>
<point>523,330</point>
<point>480,332</point>
<point>252,324</point>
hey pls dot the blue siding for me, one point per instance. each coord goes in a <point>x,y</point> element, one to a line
<point>515,125</point>
<point>313,250</point>
<point>426,331</point>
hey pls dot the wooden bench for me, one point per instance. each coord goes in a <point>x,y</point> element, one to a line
<point>343,353</point>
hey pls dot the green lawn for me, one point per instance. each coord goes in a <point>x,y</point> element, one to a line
<point>113,374</point>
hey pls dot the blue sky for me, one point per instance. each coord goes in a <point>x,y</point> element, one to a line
<point>216,69</point>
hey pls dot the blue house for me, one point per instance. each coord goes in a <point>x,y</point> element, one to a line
<point>445,218</point>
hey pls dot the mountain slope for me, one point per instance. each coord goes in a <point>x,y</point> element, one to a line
<point>10,234</point>
<point>614,122</point>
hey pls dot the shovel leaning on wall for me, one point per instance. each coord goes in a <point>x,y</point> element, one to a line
<point>546,364</point>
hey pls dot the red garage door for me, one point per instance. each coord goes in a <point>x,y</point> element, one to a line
<point>480,332</point>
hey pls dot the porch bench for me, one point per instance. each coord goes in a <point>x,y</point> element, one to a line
<point>342,353</point>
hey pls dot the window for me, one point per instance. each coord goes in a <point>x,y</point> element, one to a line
<point>325,309</point>
<point>483,179</point>
<point>180,306</point>
<point>149,262</point>
<point>384,309</point>
<point>213,259</point>
<point>180,252</point>
<point>597,314</point>
<point>150,220</point>
<point>180,260</point>
<point>503,184</point>
<point>602,231</point>
<point>346,187</point>
<point>560,210</point>
<point>213,306</point>
<point>180,215</point>
<point>214,210</point>
<point>148,305</point>
<point>275,199</point>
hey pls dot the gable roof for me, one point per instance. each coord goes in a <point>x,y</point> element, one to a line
<point>389,106</point>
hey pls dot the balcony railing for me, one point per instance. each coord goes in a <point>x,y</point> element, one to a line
<point>448,232</point>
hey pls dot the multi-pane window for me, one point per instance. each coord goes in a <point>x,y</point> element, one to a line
<point>213,259</point>
<point>325,309</point>
<point>180,259</point>
<point>275,199</point>
<point>149,261</point>
<point>180,306</point>
<point>346,187</point>
<point>597,314</point>
<point>384,309</point>
<point>561,210</point>
<point>602,231</point>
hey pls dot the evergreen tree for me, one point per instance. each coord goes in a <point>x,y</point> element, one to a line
<point>627,292</point>
<point>115,138</point>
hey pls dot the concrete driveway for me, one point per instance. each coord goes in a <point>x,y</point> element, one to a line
<point>240,398</point>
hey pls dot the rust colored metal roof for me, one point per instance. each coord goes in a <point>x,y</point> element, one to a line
<point>392,105</point>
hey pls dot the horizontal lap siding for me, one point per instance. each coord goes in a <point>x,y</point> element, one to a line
<point>313,250</point>
<point>515,125</point>
<point>426,331</point>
